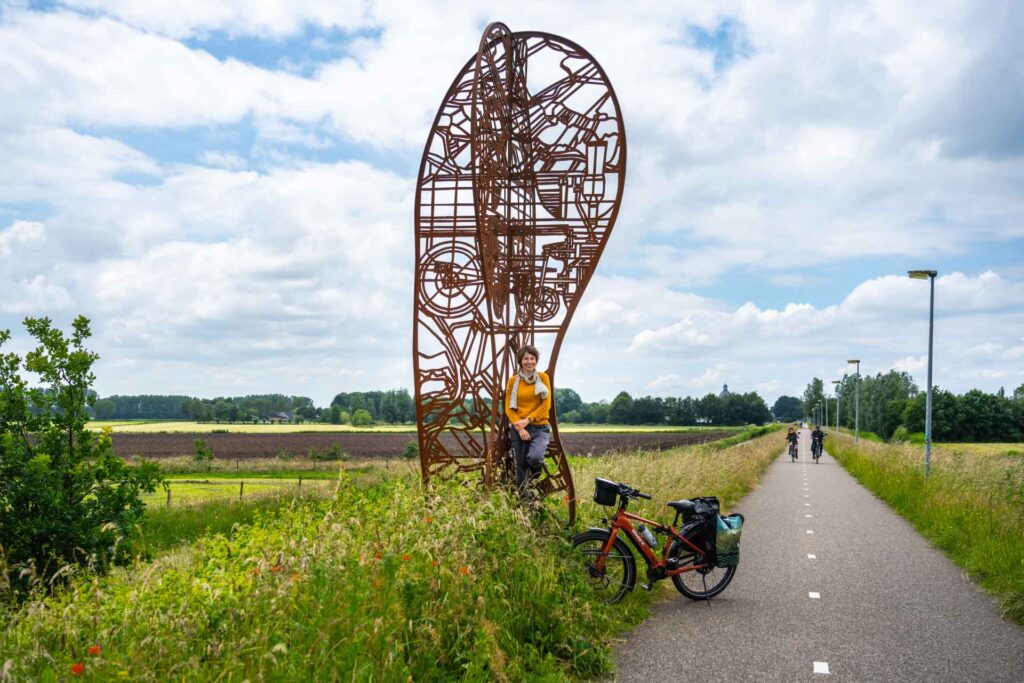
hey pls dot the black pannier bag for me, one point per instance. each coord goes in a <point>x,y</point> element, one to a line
<point>605,492</point>
<point>701,527</point>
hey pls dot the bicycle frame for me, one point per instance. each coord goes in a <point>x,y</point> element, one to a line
<point>622,521</point>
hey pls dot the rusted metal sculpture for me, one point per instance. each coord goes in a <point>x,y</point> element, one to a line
<point>519,186</point>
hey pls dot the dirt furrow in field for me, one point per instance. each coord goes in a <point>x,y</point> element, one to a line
<point>244,446</point>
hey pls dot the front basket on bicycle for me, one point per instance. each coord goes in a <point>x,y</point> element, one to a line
<point>605,492</point>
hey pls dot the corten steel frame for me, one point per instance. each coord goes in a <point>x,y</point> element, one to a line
<point>519,186</point>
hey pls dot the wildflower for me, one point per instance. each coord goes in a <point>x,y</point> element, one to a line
<point>376,555</point>
<point>296,578</point>
<point>94,650</point>
<point>77,669</point>
<point>435,563</point>
<point>464,570</point>
<point>255,571</point>
<point>405,558</point>
<point>428,519</point>
<point>277,568</point>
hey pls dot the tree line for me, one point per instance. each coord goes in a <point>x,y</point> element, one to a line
<point>711,409</point>
<point>397,406</point>
<point>892,406</point>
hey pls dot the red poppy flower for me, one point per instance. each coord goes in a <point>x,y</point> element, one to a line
<point>277,569</point>
<point>94,650</point>
<point>464,570</point>
<point>377,555</point>
<point>255,571</point>
<point>428,519</point>
<point>77,669</point>
<point>405,558</point>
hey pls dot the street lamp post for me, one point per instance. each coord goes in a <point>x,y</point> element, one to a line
<point>930,276</point>
<point>856,400</point>
<point>826,412</point>
<point>836,383</point>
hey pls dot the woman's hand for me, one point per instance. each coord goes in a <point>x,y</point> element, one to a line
<point>524,435</point>
<point>520,425</point>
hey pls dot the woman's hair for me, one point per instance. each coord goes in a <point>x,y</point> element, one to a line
<point>526,349</point>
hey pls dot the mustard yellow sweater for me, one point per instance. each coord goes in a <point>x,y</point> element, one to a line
<point>529,405</point>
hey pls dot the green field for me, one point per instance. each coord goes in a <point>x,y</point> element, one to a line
<point>198,488</point>
<point>156,426</point>
<point>387,580</point>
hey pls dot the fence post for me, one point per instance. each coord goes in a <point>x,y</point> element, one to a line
<point>241,489</point>
<point>168,496</point>
<point>300,481</point>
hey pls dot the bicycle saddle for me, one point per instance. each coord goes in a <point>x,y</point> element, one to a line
<point>684,506</point>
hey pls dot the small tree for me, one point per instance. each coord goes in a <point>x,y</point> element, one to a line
<point>412,450</point>
<point>203,454</point>
<point>65,496</point>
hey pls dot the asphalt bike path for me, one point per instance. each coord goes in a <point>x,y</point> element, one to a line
<point>832,585</point>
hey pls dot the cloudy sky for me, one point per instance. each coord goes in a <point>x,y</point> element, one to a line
<point>225,187</point>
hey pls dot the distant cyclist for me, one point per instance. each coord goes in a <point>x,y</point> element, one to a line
<point>817,442</point>
<point>793,438</point>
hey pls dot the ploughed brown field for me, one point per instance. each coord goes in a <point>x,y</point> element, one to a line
<point>379,445</point>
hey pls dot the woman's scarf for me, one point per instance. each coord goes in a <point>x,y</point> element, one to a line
<point>540,389</point>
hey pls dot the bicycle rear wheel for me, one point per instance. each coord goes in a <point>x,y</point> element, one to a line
<point>699,584</point>
<point>618,576</point>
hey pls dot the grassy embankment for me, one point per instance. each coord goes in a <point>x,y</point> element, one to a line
<point>971,506</point>
<point>385,581</point>
<point>171,426</point>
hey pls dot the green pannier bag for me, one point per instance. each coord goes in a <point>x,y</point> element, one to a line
<point>728,540</point>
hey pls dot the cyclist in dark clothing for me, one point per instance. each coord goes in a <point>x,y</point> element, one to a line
<point>793,438</point>
<point>817,441</point>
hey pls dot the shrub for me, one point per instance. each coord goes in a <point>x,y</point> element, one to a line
<point>362,418</point>
<point>65,496</point>
<point>412,451</point>
<point>203,452</point>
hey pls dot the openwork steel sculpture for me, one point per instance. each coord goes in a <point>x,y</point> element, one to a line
<point>519,186</point>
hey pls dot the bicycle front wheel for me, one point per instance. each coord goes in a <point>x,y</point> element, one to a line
<point>618,575</point>
<point>699,584</point>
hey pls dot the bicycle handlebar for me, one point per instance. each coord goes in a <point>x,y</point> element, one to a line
<point>630,492</point>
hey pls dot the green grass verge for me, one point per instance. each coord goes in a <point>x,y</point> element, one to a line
<point>164,528</point>
<point>971,507</point>
<point>746,435</point>
<point>385,581</point>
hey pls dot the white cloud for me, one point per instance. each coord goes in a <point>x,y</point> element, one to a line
<point>267,18</point>
<point>225,160</point>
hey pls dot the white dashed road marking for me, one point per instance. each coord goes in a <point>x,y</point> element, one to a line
<point>814,596</point>
<point>812,557</point>
<point>807,516</point>
<point>810,531</point>
<point>821,668</point>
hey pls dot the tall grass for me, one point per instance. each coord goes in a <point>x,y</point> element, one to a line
<point>385,581</point>
<point>971,506</point>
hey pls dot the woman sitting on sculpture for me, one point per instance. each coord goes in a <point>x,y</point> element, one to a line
<point>527,406</point>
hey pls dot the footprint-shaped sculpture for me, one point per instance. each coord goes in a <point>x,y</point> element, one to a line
<point>519,186</point>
